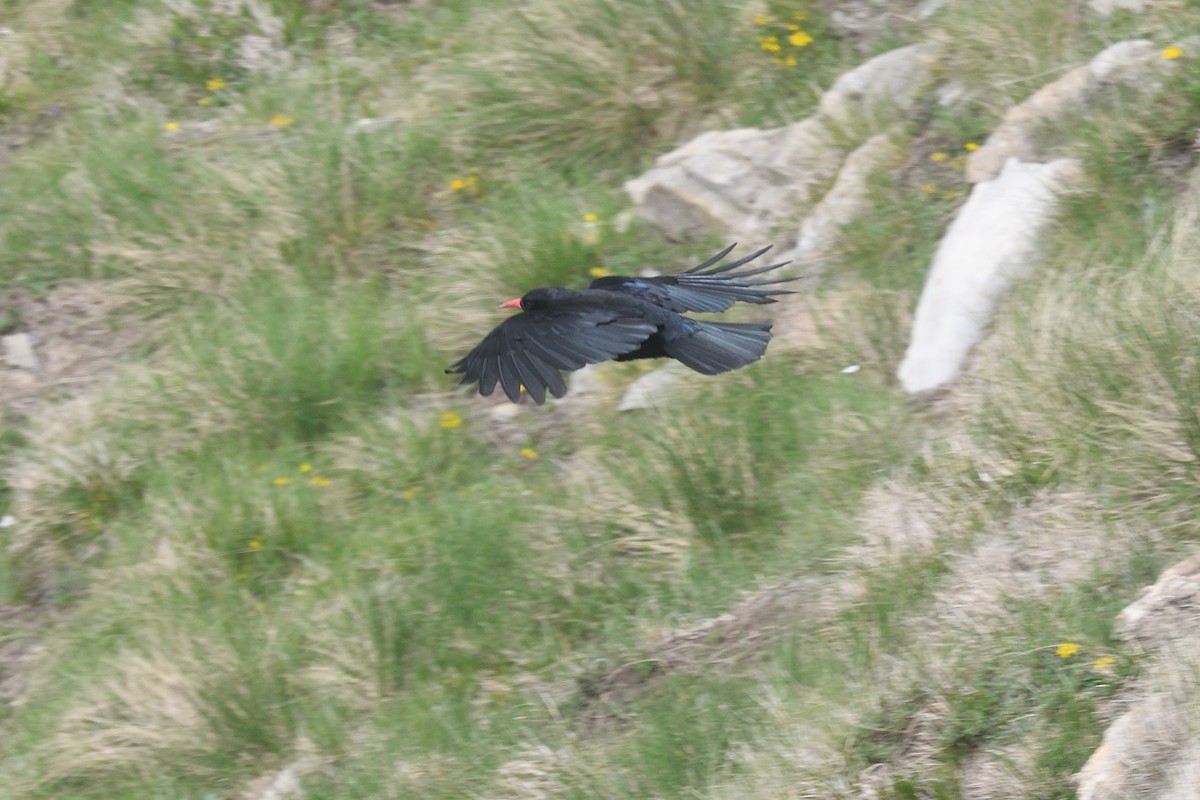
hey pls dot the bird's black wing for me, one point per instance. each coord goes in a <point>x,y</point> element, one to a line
<point>701,288</point>
<point>528,349</point>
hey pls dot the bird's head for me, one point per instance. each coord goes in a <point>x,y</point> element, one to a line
<point>537,298</point>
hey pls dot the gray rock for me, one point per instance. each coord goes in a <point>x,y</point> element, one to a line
<point>992,242</point>
<point>1107,773</point>
<point>1015,137</point>
<point>18,351</point>
<point>889,82</point>
<point>1127,61</point>
<point>1168,609</point>
<point>741,183</point>
<point>1105,8</point>
<point>735,183</point>
<point>654,389</point>
<point>1153,749</point>
<point>1134,62</point>
<point>374,124</point>
<point>848,199</point>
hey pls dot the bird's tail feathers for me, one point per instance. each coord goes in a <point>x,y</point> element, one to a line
<point>715,347</point>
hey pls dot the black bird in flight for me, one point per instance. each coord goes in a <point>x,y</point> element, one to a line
<point>622,318</point>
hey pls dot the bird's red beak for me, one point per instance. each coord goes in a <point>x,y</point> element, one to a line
<point>514,303</point>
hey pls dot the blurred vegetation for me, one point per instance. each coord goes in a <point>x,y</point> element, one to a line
<point>281,540</point>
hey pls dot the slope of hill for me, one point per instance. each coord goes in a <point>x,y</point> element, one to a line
<point>256,545</point>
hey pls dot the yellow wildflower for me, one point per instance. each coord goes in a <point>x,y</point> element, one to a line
<point>281,481</point>
<point>457,184</point>
<point>529,452</point>
<point>281,120</point>
<point>317,480</point>
<point>769,43</point>
<point>171,126</point>
<point>591,216</point>
<point>214,84</point>
<point>254,544</point>
<point>597,272</point>
<point>790,61</point>
<point>411,492</point>
<point>1172,53</point>
<point>306,467</point>
<point>929,188</point>
<point>939,156</point>
<point>970,147</point>
<point>761,19</point>
<point>1104,664</point>
<point>204,101</point>
<point>800,39</point>
<point>450,420</point>
<point>1066,650</point>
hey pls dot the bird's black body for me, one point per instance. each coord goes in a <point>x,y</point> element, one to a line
<point>623,318</point>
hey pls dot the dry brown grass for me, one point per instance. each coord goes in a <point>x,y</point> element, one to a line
<point>150,708</point>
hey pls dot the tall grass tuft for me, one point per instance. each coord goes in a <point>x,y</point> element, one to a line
<point>296,360</point>
<point>601,85</point>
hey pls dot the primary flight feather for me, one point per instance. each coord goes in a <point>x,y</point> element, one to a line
<point>624,318</point>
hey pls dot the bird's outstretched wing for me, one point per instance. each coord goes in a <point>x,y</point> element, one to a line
<point>529,349</point>
<point>701,288</point>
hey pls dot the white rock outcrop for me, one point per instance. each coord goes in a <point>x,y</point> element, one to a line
<point>741,183</point>
<point>992,242</point>
<point>1169,608</point>
<point>737,183</point>
<point>1106,8</point>
<point>887,83</point>
<point>1153,749</point>
<point>18,351</point>
<point>654,389</point>
<point>1134,62</point>
<point>848,199</point>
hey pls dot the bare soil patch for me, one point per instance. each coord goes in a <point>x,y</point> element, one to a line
<point>75,333</point>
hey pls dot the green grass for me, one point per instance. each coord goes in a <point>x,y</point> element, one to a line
<point>279,537</point>
<point>730,461</point>
<point>888,251</point>
<point>302,361</point>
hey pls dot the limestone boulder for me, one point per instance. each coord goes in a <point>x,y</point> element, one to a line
<point>654,389</point>
<point>1135,62</point>
<point>848,199</point>
<point>1015,136</point>
<point>1153,749</point>
<point>737,183</point>
<point>888,83</point>
<point>1165,611</point>
<point>992,242</point>
<point>1106,8</point>
<point>18,351</point>
<point>742,183</point>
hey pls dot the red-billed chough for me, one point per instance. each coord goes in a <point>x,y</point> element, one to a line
<point>622,318</point>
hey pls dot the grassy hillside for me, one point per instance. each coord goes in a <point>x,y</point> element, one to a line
<point>273,546</point>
